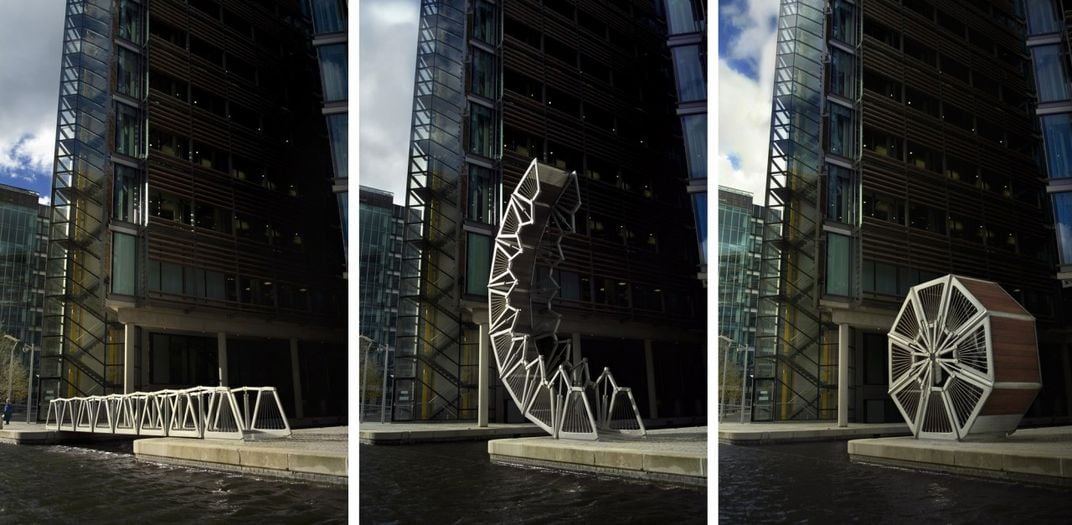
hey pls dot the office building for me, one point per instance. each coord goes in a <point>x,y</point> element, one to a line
<point>581,85</point>
<point>380,256</point>
<point>903,147</point>
<point>194,236</point>
<point>23,248</point>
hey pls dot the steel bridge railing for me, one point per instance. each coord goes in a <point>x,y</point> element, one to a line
<point>197,412</point>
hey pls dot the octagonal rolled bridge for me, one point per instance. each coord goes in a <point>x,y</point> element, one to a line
<point>524,327</point>
<point>963,359</point>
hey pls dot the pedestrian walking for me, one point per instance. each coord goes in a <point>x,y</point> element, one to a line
<point>7,411</point>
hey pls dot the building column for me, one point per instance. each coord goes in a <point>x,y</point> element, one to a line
<point>575,347</point>
<point>295,370</point>
<point>129,356</point>
<point>843,376</point>
<point>649,364</point>
<point>482,376</point>
<point>221,356</point>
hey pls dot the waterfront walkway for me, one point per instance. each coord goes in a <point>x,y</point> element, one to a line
<point>409,433</point>
<point>1033,455</point>
<point>801,431</point>
<point>316,454</point>
<point>675,455</point>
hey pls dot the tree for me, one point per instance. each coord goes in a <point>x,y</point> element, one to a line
<point>18,380</point>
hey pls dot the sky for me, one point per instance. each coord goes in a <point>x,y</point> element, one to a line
<point>388,55</point>
<point>31,38</point>
<point>745,72</point>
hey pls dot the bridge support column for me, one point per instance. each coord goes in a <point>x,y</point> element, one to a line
<point>649,365</point>
<point>575,348</point>
<point>843,376</point>
<point>221,355</point>
<point>295,370</point>
<point>482,377</point>
<point>129,356</point>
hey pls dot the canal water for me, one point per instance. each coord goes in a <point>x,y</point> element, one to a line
<point>816,483</point>
<point>105,484</point>
<point>457,483</point>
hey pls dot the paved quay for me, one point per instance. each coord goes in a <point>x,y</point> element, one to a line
<point>410,433</point>
<point>313,454</point>
<point>673,455</point>
<point>801,431</point>
<point>23,433</point>
<point>1035,455</point>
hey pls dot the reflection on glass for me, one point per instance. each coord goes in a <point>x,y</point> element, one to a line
<point>337,130</point>
<point>328,16</point>
<point>477,264</point>
<point>679,13</point>
<point>695,127</point>
<point>699,206</point>
<point>690,75</point>
<point>837,264</point>
<point>1051,73</point>
<point>123,276</point>
<point>333,71</point>
<point>1057,134</point>
<point>1041,16</point>
<point>1062,214</point>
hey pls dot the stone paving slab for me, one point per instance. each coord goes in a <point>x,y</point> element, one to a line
<point>23,433</point>
<point>794,431</point>
<point>307,454</point>
<point>664,455</point>
<point>1036,455</point>
<point>408,433</point>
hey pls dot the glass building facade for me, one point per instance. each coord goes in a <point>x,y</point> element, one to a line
<point>687,40</point>
<point>740,238</point>
<point>580,86</point>
<point>903,147</point>
<point>330,40</point>
<point>192,224</point>
<point>23,247</point>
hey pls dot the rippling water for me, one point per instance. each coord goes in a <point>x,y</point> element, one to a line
<point>457,483</point>
<point>62,484</point>
<point>815,482</point>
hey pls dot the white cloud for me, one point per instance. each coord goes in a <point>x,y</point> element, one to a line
<point>744,104</point>
<point>44,199</point>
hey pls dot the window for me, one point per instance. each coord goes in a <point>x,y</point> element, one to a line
<point>951,23</point>
<point>695,128</point>
<point>239,24</point>
<point>563,102</point>
<point>882,84</point>
<point>167,32</point>
<point>522,32</point>
<point>522,84</point>
<point>882,143</point>
<point>595,68</point>
<point>959,169</point>
<point>481,195</point>
<point>924,158</point>
<point>1057,135</point>
<point>209,7</point>
<point>593,24</point>
<point>130,22</point>
<point>337,133</point>
<point>169,143</point>
<point>124,267</point>
<point>1051,73</point>
<point>690,74</point>
<point>560,51</point>
<point>839,197</point>
<point>883,207</point>
<point>244,116</point>
<point>1062,214</point>
<point>955,69</point>
<point>981,41</point>
<point>880,32</point>
<point>958,117</point>
<point>919,51</point>
<point>127,194</point>
<point>127,131</point>
<point>569,285</point>
<point>210,102</point>
<point>482,130</point>
<point>522,143</point>
<point>842,74</point>
<point>483,74</point>
<point>241,68</point>
<point>680,15</point>
<point>922,7</point>
<point>209,157</point>
<point>170,207</point>
<point>484,26</point>
<point>841,138</point>
<point>838,263</point>
<point>1042,16</point>
<point>996,182</point>
<point>477,263</point>
<point>563,157</point>
<point>920,101</point>
<point>333,71</point>
<point>843,22</point>
<point>179,360</point>
<point>562,7</point>
<point>329,16</point>
<point>165,83</point>
<point>206,51</point>
<point>699,206</point>
<point>128,72</point>
<point>986,84</point>
<point>927,218</point>
<point>598,118</point>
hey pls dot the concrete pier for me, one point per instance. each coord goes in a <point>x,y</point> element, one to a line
<point>315,454</point>
<point>801,431</point>
<point>409,433</point>
<point>1035,455</point>
<point>677,455</point>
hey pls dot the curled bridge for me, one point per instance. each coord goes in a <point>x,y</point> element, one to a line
<point>524,328</point>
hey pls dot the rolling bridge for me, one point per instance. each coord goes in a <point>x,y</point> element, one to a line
<point>197,412</point>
